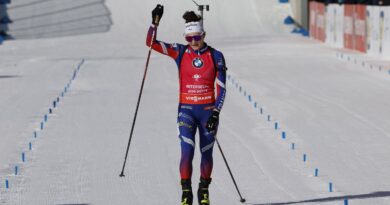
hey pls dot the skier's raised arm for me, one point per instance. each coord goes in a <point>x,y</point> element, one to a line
<point>159,46</point>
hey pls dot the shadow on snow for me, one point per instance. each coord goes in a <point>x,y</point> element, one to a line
<point>380,194</point>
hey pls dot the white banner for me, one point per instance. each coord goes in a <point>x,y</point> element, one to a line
<point>330,25</point>
<point>373,30</point>
<point>339,26</point>
<point>334,25</point>
<point>384,27</point>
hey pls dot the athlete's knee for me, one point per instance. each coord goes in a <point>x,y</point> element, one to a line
<point>207,153</point>
<point>207,148</point>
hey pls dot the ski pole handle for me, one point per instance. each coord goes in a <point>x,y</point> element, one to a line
<point>157,20</point>
<point>157,14</point>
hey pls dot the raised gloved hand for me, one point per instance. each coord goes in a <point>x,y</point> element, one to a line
<point>212,123</point>
<point>157,14</point>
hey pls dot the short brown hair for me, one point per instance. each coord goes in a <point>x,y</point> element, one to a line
<point>191,16</point>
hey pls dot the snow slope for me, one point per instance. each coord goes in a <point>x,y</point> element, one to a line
<point>334,112</point>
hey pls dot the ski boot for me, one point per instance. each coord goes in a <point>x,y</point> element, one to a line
<point>187,197</point>
<point>203,191</point>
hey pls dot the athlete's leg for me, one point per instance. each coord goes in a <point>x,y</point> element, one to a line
<point>187,129</point>
<point>206,140</point>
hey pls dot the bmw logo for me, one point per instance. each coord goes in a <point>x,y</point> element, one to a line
<point>197,63</point>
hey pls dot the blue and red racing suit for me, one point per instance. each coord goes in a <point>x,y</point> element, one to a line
<point>199,71</point>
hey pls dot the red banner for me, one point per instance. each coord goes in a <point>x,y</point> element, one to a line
<point>313,11</point>
<point>320,22</point>
<point>360,28</point>
<point>355,27</point>
<point>317,20</point>
<point>349,26</point>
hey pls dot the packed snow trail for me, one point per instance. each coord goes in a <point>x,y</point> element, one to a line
<point>334,112</point>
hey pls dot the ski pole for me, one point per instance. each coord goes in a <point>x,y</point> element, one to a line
<point>139,99</point>
<point>242,200</point>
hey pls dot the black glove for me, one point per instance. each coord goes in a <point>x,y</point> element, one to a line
<point>157,14</point>
<point>212,123</point>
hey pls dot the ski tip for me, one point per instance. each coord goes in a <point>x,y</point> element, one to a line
<point>243,200</point>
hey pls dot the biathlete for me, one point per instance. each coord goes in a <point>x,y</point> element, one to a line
<point>202,77</point>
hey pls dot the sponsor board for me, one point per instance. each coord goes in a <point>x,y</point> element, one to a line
<point>373,30</point>
<point>385,32</point>
<point>355,27</point>
<point>360,28</point>
<point>334,25</point>
<point>348,26</point>
<point>317,21</point>
<point>321,24</point>
<point>312,20</point>
<point>352,26</point>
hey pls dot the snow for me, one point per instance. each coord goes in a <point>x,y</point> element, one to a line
<point>334,111</point>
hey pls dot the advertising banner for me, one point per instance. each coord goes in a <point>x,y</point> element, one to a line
<point>312,20</point>
<point>373,30</point>
<point>334,25</point>
<point>349,26</point>
<point>330,24</point>
<point>339,26</point>
<point>320,22</point>
<point>355,27</point>
<point>360,28</point>
<point>384,30</point>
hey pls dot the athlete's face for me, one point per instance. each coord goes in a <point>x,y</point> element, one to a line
<point>195,40</point>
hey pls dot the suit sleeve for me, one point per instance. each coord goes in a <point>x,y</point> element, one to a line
<point>171,50</point>
<point>220,81</point>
